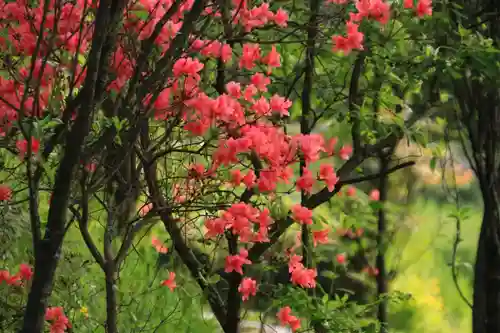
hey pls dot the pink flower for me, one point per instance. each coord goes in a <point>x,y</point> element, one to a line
<point>264,219</point>
<point>380,11</point>
<point>90,167</point>
<point>294,263</point>
<point>341,258</point>
<point>162,103</point>
<point>320,236</point>
<point>351,191</point>
<point>249,179</point>
<point>59,322</point>
<point>355,37</point>
<point>249,92</point>
<point>281,18</point>
<point>272,59</point>
<point>285,317</point>
<point>375,9</point>
<point>187,66</point>
<point>248,287</point>
<point>304,277</point>
<point>236,177</point>
<point>251,53</point>
<point>302,214</point>
<point>408,4</point>
<point>4,275</point>
<point>354,40</point>
<point>375,195</point>
<point>345,152</point>
<point>261,236</point>
<point>300,275</point>
<point>236,262</point>
<point>215,227</point>
<point>145,209</point>
<point>372,271</point>
<point>260,81</point>
<point>328,175</point>
<point>226,53</point>
<point>170,282</point>
<point>196,170</point>
<point>11,280</point>
<point>280,104</point>
<point>261,107</point>
<point>330,146</point>
<point>311,145</point>
<point>5,193</point>
<point>424,7</point>
<point>234,89</point>
<point>306,181</point>
<point>25,272</point>
<point>22,146</point>
<point>158,245</point>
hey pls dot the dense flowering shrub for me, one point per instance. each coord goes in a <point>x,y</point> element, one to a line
<point>223,146</point>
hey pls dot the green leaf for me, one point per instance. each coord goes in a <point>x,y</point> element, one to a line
<point>441,121</point>
<point>444,97</point>
<point>142,14</point>
<point>420,138</point>
<point>395,100</point>
<point>456,75</point>
<point>329,274</point>
<point>395,78</point>
<point>214,279</point>
<point>81,59</point>
<point>295,110</point>
<point>376,205</point>
<point>53,123</point>
<point>432,163</point>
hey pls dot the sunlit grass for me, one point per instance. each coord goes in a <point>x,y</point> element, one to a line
<point>425,271</point>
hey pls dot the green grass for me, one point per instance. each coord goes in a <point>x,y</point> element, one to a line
<point>425,240</point>
<point>425,270</point>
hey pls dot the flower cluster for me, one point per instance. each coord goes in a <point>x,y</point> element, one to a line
<point>58,321</point>
<point>243,112</point>
<point>378,10</point>
<point>286,318</point>
<point>24,274</point>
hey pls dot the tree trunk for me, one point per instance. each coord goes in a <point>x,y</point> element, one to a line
<point>486,303</point>
<point>49,248</point>
<point>45,267</point>
<point>233,319</point>
<point>111,300</point>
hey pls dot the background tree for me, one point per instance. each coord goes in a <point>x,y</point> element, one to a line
<point>473,81</point>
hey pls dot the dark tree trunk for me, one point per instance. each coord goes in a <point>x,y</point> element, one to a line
<point>111,300</point>
<point>486,303</point>
<point>48,249</point>
<point>45,267</point>
<point>233,317</point>
<point>478,97</point>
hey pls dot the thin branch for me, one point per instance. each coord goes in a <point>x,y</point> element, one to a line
<point>458,227</point>
<point>280,226</point>
<point>129,237</point>
<point>185,253</point>
<point>354,111</point>
<point>83,221</point>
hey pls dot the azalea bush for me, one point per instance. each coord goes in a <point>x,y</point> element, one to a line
<point>120,116</point>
